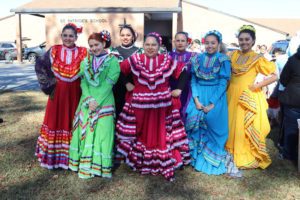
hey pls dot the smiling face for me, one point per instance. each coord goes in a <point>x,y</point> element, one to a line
<point>151,47</point>
<point>180,42</point>
<point>96,47</point>
<point>126,37</point>
<point>211,44</point>
<point>246,42</point>
<point>263,49</point>
<point>69,38</point>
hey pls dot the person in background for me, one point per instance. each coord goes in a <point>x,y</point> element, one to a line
<point>280,59</point>
<point>124,84</point>
<point>195,46</point>
<point>263,50</point>
<point>290,79</point>
<point>57,72</point>
<point>127,47</point>
<point>247,106</point>
<point>257,49</point>
<point>293,44</point>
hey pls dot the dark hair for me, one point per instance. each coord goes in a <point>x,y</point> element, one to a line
<point>156,36</point>
<point>99,37</point>
<point>251,33</point>
<point>197,41</point>
<point>264,46</point>
<point>211,34</point>
<point>134,36</point>
<point>183,33</point>
<point>69,26</point>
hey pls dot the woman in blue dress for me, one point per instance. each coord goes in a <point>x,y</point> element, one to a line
<point>207,114</point>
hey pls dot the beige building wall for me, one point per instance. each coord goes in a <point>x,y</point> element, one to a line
<point>198,20</point>
<point>8,30</point>
<point>93,23</point>
<point>33,27</point>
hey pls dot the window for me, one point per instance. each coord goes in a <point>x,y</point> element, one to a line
<point>7,45</point>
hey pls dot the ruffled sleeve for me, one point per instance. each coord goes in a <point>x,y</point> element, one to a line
<point>86,95</point>
<point>125,67</point>
<point>180,67</point>
<point>44,73</point>
<point>265,67</point>
<point>194,82</point>
<point>110,79</point>
<point>224,77</point>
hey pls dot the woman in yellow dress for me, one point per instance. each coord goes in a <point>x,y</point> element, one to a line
<point>247,106</point>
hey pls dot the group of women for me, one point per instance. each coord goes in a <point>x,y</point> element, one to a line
<point>156,111</point>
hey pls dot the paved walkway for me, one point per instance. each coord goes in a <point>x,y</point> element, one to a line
<point>17,77</point>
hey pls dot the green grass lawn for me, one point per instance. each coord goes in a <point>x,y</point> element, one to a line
<point>21,177</point>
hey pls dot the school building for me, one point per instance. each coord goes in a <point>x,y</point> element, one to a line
<point>166,17</point>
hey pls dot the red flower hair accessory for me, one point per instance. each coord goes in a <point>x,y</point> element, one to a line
<point>105,35</point>
<point>189,40</point>
<point>78,29</point>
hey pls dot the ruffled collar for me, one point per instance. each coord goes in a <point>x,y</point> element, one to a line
<point>163,68</point>
<point>92,74</point>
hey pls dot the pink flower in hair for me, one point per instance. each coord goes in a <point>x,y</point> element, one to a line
<point>157,35</point>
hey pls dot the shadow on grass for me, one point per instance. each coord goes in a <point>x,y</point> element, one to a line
<point>22,179</point>
<point>22,103</point>
<point>29,189</point>
<point>181,188</point>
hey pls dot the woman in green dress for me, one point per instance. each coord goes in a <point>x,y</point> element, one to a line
<point>94,123</point>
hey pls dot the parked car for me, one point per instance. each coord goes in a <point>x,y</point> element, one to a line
<point>8,51</point>
<point>281,45</point>
<point>32,53</point>
<point>230,47</point>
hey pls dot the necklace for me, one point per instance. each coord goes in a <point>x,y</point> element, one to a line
<point>129,47</point>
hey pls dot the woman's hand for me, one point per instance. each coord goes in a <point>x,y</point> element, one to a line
<point>253,87</point>
<point>208,108</point>
<point>93,105</point>
<point>176,93</point>
<point>267,81</point>
<point>199,105</point>
<point>129,86</point>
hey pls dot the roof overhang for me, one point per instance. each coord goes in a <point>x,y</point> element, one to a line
<point>98,6</point>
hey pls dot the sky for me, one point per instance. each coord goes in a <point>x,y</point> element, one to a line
<point>240,8</point>
<point>6,5</point>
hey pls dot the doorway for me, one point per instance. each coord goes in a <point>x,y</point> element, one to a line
<point>162,24</point>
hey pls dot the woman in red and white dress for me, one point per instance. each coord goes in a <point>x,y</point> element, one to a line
<point>150,132</point>
<point>57,73</point>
